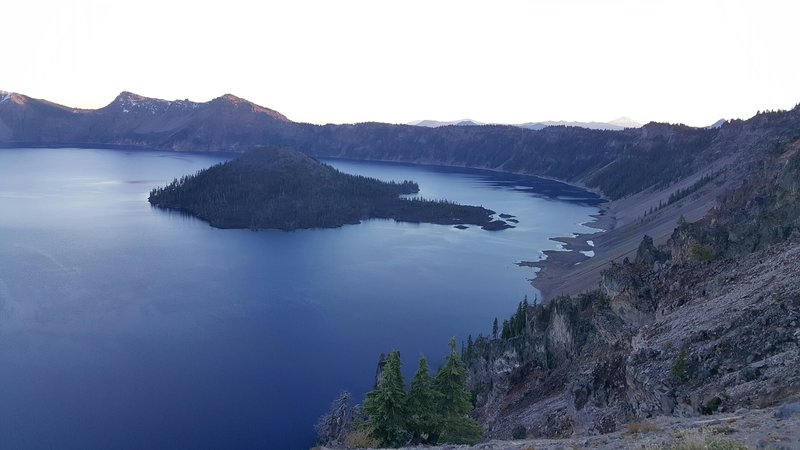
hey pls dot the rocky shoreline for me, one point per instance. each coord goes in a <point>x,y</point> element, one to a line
<point>621,225</point>
<point>558,264</point>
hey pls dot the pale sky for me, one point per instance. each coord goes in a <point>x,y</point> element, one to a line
<point>343,61</point>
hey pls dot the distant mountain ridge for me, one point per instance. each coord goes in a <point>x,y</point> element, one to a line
<point>617,124</point>
<point>134,120</point>
<point>617,163</point>
<point>439,123</point>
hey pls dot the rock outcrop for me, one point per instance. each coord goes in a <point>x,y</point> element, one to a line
<point>709,323</point>
<point>726,336</point>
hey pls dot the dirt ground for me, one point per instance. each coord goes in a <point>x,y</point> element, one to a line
<point>771,428</point>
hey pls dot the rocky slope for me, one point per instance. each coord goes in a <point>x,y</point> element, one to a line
<point>708,323</point>
<point>740,153</point>
<point>590,364</point>
<point>776,428</point>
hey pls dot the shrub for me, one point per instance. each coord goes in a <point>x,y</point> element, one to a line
<point>701,252</point>
<point>360,439</point>
<point>678,370</point>
<point>700,440</point>
<point>723,429</point>
<point>711,406</point>
<point>724,444</point>
<point>642,427</point>
<point>519,432</point>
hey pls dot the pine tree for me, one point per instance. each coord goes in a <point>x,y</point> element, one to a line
<point>385,407</point>
<point>379,371</point>
<point>454,403</point>
<point>524,317</point>
<point>494,328</point>
<point>424,419</point>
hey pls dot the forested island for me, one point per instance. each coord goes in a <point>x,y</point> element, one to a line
<point>284,189</point>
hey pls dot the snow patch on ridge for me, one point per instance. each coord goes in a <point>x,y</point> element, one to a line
<point>130,102</point>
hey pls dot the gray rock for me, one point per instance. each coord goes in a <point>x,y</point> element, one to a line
<point>590,364</point>
<point>786,411</point>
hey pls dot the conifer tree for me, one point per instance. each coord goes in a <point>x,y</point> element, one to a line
<point>494,328</point>
<point>424,418</point>
<point>379,371</point>
<point>524,317</point>
<point>385,407</point>
<point>454,403</point>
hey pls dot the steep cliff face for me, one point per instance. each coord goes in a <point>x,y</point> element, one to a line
<point>765,210</point>
<point>727,338</point>
<point>673,338</point>
<point>564,375</point>
<point>710,322</point>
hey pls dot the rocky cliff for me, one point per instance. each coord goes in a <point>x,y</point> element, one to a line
<point>708,323</point>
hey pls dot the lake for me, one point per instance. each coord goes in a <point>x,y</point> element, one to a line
<point>125,326</point>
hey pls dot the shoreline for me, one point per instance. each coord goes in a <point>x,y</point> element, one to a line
<point>621,226</point>
<point>562,264</point>
<point>565,271</point>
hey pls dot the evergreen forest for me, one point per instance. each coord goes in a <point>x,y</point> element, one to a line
<point>284,189</point>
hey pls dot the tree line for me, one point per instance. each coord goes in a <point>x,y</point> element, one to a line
<point>434,410</point>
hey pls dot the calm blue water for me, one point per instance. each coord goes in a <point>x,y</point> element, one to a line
<point>124,326</point>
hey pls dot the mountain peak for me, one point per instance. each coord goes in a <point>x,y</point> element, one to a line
<point>625,122</point>
<point>237,103</point>
<point>439,123</point>
<point>128,95</point>
<point>231,99</point>
<point>128,101</point>
<point>12,97</point>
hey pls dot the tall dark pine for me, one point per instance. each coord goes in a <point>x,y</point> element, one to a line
<point>454,403</point>
<point>385,407</point>
<point>506,333</point>
<point>424,419</point>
